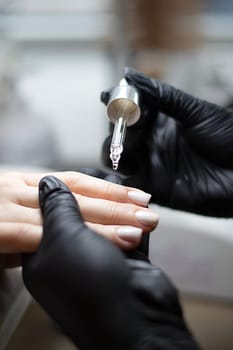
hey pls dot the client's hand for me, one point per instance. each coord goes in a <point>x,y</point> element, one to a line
<point>69,273</point>
<point>99,298</point>
<point>112,210</point>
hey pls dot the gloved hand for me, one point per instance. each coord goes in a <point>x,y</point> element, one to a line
<point>101,299</point>
<point>181,149</point>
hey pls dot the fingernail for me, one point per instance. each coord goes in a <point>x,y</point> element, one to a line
<point>147,217</point>
<point>129,232</point>
<point>139,197</point>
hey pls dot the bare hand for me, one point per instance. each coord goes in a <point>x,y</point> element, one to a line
<point>117,212</point>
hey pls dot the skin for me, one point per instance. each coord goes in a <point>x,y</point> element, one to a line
<point>104,206</point>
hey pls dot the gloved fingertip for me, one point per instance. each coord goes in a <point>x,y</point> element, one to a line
<point>128,75</point>
<point>48,185</point>
<point>127,69</point>
<point>104,97</point>
<point>131,72</point>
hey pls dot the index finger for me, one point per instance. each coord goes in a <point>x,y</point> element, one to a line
<point>93,187</point>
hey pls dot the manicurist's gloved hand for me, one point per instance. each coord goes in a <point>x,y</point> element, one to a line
<point>99,297</point>
<point>181,148</point>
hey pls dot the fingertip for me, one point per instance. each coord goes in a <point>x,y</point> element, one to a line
<point>132,75</point>
<point>129,70</point>
<point>105,96</point>
<point>48,185</point>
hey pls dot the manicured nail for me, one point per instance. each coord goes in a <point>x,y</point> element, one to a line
<point>147,217</point>
<point>129,232</point>
<point>139,197</point>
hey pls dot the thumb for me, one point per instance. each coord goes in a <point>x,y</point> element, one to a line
<point>59,208</point>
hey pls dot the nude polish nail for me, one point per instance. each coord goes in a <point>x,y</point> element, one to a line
<point>147,217</point>
<point>139,197</point>
<point>130,232</point>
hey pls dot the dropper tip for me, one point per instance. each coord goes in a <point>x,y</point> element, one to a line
<point>115,166</point>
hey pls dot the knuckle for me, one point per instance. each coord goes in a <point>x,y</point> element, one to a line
<point>70,178</point>
<point>22,234</point>
<point>114,212</point>
<point>107,188</point>
<point>113,190</point>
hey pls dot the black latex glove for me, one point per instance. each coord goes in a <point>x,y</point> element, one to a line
<point>101,299</point>
<point>181,148</point>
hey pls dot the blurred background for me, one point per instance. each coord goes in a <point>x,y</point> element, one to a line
<point>56,56</point>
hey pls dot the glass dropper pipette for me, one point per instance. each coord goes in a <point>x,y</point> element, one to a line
<point>123,110</point>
